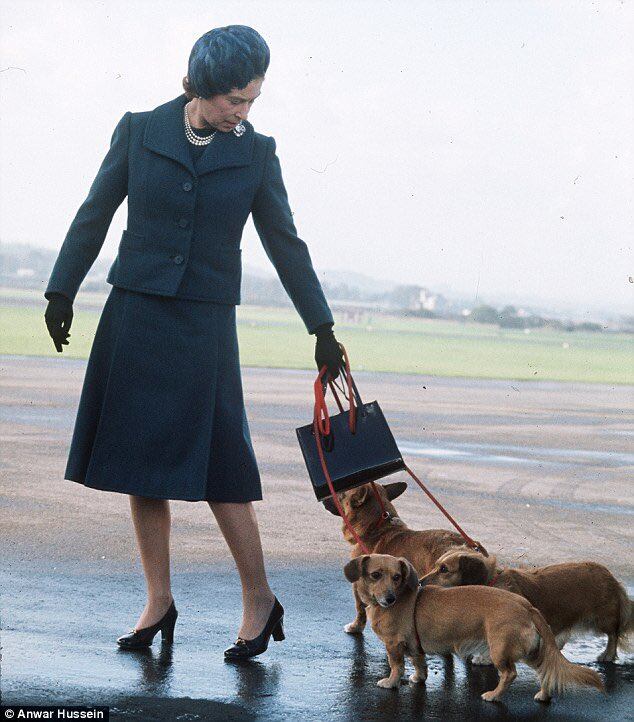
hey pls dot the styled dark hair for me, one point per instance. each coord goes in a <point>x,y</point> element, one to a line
<point>225,58</point>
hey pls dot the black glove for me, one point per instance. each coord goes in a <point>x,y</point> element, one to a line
<point>327,350</point>
<point>58,317</point>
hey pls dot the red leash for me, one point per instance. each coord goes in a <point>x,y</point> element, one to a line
<point>468,540</point>
<point>420,646</point>
<point>321,427</point>
<point>335,498</point>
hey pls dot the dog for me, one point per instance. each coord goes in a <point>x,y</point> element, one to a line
<point>411,620</point>
<point>389,535</point>
<point>572,596</point>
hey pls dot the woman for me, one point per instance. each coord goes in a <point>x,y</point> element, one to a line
<point>161,414</point>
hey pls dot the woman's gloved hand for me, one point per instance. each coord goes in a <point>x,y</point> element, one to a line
<point>58,317</point>
<point>327,350</point>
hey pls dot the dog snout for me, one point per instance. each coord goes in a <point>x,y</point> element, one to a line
<point>388,599</point>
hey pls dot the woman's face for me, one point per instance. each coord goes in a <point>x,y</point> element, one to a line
<point>226,111</point>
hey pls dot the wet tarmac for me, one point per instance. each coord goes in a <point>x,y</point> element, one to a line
<point>58,644</point>
<point>511,454</point>
<point>540,472</point>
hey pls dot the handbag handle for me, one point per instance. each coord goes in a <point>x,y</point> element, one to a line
<point>320,414</point>
<point>351,383</point>
<point>321,427</point>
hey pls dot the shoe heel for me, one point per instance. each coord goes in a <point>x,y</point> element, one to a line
<point>278,632</point>
<point>167,632</point>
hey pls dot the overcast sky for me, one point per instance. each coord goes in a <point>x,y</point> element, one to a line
<point>480,148</point>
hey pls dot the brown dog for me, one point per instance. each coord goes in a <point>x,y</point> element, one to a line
<point>388,536</point>
<point>409,619</point>
<point>571,596</point>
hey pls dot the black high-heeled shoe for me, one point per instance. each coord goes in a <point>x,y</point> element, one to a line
<point>140,638</point>
<point>245,648</point>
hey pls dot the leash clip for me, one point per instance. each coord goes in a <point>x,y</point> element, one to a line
<point>479,548</point>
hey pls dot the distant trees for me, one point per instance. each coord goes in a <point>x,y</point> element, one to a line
<point>510,317</point>
<point>628,324</point>
<point>405,297</point>
<point>588,326</point>
<point>484,314</point>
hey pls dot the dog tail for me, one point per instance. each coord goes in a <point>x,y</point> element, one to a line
<point>555,672</point>
<point>626,620</point>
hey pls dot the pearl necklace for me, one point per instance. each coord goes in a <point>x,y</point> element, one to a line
<point>192,137</point>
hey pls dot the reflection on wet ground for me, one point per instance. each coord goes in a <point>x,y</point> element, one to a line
<point>508,454</point>
<point>506,463</point>
<point>59,630</point>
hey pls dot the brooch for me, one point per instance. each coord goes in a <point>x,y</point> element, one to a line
<point>239,129</point>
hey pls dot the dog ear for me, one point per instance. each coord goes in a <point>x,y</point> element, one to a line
<point>472,570</point>
<point>359,496</point>
<point>409,574</point>
<point>330,505</point>
<point>395,489</point>
<point>355,567</point>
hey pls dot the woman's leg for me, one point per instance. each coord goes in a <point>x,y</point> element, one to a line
<point>239,527</point>
<point>151,518</point>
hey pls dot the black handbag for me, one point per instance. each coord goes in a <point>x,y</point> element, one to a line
<point>353,448</point>
<point>357,445</point>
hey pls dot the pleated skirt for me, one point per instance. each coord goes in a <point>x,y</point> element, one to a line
<point>161,412</point>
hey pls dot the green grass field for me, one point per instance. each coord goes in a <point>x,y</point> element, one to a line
<point>276,337</point>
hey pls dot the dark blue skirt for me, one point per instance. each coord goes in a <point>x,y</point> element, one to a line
<point>161,412</point>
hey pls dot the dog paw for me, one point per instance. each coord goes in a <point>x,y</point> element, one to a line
<point>606,657</point>
<point>354,628</point>
<point>542,696</point>
<point>386,683</point>
<point>418,678</point>
<point>481,659</point>
<point>489,696</point>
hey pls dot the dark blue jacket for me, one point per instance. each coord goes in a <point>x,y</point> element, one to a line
<point>184,222</point>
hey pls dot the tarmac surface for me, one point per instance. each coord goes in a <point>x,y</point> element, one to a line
<point>538,471</point>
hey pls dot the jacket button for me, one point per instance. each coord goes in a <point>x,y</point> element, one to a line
<point>178,259</point>
<point>187,186</point>
<point>183,223</point>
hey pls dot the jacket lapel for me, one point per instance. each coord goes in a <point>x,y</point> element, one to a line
<point>165,134</point>
<point>226,150</point>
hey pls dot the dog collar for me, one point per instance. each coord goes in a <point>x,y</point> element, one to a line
<point>384,518</point>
